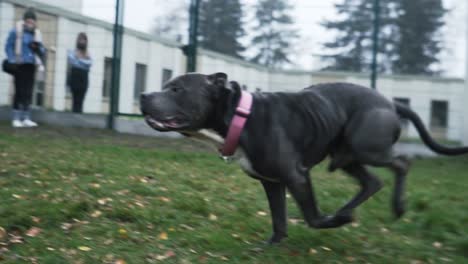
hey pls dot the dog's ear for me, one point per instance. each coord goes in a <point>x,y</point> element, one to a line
<point>218,79</point>
<point>235,87</point>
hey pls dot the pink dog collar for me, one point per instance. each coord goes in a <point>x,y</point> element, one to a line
<point>237,124</point>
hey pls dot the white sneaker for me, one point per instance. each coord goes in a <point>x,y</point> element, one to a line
<point>29,123</point>
<point>17,123</point>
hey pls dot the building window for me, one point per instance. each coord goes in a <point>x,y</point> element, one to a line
<point>140,80</point>
<point>439,118</point>
<point>38,95</point>
<point>166,76</point>
<point>404,122</point>
<point>107,81</point>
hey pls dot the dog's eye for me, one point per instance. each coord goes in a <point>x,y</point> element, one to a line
<point>176,89</point>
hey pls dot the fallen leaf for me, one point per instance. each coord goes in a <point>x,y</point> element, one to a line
<point>50,248</point>
<point>213,217</point>
<point>294,221</point>
<point>350,259</point>
<point>16,239</point>
<point>261,213</point>
<point>168,254</point>
<point>123,233</point>
<point>36,219</point>
<point>164,199</point>
<point>33,232</point>
<point>96,213</point>
<point>355,224</point>
<point>84,248</point>
<point>17,196</point>
<point>66,226</point>
<point>187,227</point>
<point>326,248</point>
<point>294,253</point>
<point>120,261</point>
<point>312,251</point>
<point>3,234</point>
<point>437,244</point>
<point>104,201</point>
<point>95,185</point>
<point>384,230</point>
<point>108,242</point>
<point>163,236</point>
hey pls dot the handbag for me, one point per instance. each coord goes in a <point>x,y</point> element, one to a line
<point>8,67</point>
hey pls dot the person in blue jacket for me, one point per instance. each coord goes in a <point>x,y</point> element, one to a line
<point>79,65</point>
<point>25,50</point>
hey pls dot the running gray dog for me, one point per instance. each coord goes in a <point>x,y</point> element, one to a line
<point>287,134</point>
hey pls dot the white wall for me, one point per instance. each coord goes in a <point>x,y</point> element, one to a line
<point>465,94</point>
<point>289,81</point>
<point>71,5</point>
<point>100,46</point>
<point>7,15</point>
<point>155,56</point>
<point>243,72</point>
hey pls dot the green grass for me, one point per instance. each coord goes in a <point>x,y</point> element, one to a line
<point>438,140</point>
<point>117,194</point>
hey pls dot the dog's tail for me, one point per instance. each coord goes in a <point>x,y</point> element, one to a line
<point>405,112</point>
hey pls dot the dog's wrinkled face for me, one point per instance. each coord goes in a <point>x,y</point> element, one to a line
<point>186,103</point>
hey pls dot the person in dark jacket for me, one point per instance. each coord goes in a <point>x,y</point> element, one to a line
<point>25,50</point>
<point>79,65</point>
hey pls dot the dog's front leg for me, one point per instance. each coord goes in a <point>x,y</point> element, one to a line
<point>301,189</point>
<point>276,193</point>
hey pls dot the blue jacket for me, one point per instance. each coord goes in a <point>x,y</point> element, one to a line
<point>26,52</point>
<point>80,63</point>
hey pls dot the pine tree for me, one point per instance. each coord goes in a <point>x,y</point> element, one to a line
<point>221,26</point>
<point>274,33</point>
<point>419,40</point>
<point>172,23</point>
<point>352,48</point>
<point>408,36</point>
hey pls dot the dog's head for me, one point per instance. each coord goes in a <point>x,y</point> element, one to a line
<point>187,103</point>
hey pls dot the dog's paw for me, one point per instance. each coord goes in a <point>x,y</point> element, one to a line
<point>332,221</point>
<point>275,239</point>
<point>399,209</point>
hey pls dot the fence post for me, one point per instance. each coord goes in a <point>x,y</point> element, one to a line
<point>191,48</point>
<point>116,64</point>
<point>375,43</point>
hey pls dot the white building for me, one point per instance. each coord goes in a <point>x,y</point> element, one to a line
<point>148,61</point>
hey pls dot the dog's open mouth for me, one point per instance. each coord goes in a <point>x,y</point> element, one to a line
<point>166,124</point>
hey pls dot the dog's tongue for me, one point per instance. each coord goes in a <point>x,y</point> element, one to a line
<point>172,123</point>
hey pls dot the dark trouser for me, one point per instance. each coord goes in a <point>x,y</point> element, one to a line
<point>24,84</point>
<point>78,85</point>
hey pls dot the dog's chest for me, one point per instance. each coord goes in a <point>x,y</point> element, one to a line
<point>215,140</point>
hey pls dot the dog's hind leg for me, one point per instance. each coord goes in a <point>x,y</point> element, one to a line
<point>369,185</point>
<point>399,166</point>
<point>276,194</point>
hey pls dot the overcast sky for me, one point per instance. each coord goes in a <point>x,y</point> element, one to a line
<point>140,15</point>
